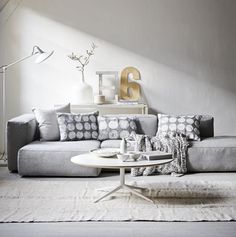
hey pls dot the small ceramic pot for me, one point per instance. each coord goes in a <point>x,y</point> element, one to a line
<point>99,99</point>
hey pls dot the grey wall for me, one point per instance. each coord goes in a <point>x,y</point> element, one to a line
<point>184,49</point>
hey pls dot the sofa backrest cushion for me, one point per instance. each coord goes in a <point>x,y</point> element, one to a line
<point>146,123</point>
<point>207,126</point>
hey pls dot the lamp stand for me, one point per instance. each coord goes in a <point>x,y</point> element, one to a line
<point>4,68</point>
<point>42,56</point>
<point>3,154</point>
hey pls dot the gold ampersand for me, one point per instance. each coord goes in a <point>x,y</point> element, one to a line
<point>129,90</point>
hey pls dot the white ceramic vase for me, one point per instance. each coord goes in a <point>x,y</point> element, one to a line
<point>84,93</point>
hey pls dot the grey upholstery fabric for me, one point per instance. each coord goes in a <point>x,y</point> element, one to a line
<point>212,154</point>
<point>206,126</point>
<point>20,131</point>
<point>110,144</point>
<point>53,158</point>
<point>146,123</point>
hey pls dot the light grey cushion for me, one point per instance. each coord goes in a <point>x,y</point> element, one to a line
<point>115,127</point>
<point>212,154</point>
<point>48,124</point>
<point>74,127</point>
<point>110,144</point>
<point>188,125</point>
<point>53,158</point>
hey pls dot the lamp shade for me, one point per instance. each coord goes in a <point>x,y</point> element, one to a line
<point>43,56</point>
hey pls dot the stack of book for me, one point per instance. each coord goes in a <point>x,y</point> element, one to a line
<point>130,102</point>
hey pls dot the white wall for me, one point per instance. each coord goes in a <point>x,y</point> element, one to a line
<point>184,49</point>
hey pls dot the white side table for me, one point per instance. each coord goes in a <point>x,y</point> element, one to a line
<point>90,160</point>
<point>118,108</point>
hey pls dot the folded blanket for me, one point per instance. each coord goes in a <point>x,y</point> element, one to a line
<point>174,143</point>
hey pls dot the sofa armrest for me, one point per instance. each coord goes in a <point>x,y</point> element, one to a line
<point>20,132</point>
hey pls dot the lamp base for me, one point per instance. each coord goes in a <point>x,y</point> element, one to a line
<point>3,160</point>
<point>3,157</point>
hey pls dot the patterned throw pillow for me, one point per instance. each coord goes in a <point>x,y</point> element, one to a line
<point>115,127</point>
<point>74,127</point>
<point>187,125</point>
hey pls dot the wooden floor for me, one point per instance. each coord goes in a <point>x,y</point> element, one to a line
<point>120,229</point>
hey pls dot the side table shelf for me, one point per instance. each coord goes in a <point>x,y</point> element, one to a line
<point>118,108</point>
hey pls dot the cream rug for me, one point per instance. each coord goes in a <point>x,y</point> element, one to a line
<point>72,200</point>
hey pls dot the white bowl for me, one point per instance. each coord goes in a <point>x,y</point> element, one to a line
<point>134,155</point>
<point>123,157</point>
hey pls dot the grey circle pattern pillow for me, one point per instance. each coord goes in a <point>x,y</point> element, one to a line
<point>75,127</point>
<point>113,128</point>
<point>188,125</point>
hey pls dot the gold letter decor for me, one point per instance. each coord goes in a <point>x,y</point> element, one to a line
<point>129,90</point>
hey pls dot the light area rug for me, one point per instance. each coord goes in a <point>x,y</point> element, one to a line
<point>62,201</point>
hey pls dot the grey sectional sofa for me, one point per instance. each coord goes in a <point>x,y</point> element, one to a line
<point>30,157</point>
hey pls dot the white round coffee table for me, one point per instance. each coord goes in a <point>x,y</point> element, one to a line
<point>91,160</point>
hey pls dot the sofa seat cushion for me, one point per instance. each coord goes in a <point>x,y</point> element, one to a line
<point>53,158</point>
<point>116,144</point>
<point>212,154</point>
<point>110,144</point>
<point>209,155</point>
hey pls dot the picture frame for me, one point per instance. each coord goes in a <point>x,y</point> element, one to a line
<point>108,85</point>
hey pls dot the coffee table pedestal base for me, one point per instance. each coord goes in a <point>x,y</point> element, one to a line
<point>130,188</point>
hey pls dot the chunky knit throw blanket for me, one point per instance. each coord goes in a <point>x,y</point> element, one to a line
<point>173,143</point>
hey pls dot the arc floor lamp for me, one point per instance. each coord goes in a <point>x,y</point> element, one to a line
<point>41,56</point>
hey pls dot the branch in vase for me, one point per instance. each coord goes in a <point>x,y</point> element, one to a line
<point>80,68</point>
<point>82,59</point>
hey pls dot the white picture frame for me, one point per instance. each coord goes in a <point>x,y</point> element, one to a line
<point>108,85</point>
